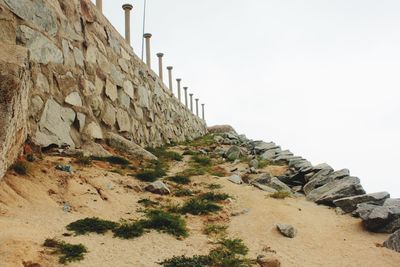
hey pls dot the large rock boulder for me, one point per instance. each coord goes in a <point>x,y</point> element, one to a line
<point>346,187</point>
<point>234,153</point>
<point>159,188</point>
<point>120,143</point>
<point>393,242</point>
<point>381,219</point>
<point>54,126</point>
<point>349,204</point>
<point>319,179</point>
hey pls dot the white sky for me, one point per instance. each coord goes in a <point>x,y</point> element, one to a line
<point>319,77</point>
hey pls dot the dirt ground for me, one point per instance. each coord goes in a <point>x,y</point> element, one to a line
<point>41,204</point>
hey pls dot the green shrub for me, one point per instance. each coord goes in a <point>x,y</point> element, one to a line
<point>130,230</point>
<point>113,160</point>
<point>214,186</point>
<point>280,195</point>
<point>183,192</point>
<point>197,206</point>
<point>180,179</point>
<point>166,222</point>
<point>68,252</point>
<point>206,140</point>
<point>194,171</point>
<point>202,160</point>
<point>215,230</point>
<point>91,225</point>
<point>183,261</point>
<point>190,153</point>
<point>148,202</point>
<point>163,153</point>
<point>214,197</point>
<point>229,253</point>
<point>21,167</point>
<point>150,175</point>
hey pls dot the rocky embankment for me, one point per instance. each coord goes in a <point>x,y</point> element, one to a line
<point>320,184</point>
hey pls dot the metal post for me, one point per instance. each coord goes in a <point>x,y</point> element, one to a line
<point>179,89</point>
<point>169,68</point>
<point>99,5</point>
<point>160,65</point>
<point>127,8</point>
<point>197,106</point>
<point>202,111</point>
<point>147,36</point>
<point>191,102</point>
<point>186,96</point>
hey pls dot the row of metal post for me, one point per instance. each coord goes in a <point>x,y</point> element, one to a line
<point>147,36</point>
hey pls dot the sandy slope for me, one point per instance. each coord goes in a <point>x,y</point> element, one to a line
<point>31,210</point>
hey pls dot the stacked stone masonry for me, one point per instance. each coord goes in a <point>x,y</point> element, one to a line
<point>68,77</point>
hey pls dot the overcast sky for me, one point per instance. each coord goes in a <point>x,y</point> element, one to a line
<point>318,77</point>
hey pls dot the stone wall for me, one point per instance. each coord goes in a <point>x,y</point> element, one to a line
<point>68,77</point>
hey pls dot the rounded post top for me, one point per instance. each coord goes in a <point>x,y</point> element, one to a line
<point>179,80</point>
<point>160,54</point>
<point>203,105</point>
<point>185,88</point>
<point>127,7</point>
<point>170,68</point>
<point>147,35</point>
<point>197,99</point>
<point>191,94</point>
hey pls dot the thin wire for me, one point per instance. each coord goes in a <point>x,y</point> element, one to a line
<point>144,26</point>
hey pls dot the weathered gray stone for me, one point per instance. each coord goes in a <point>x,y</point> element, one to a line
<point>81,120</point>
<point>346,187</point>
<point>349,204</point>
<point>253,163</point>
<point>94,149</point>
<point>42,83</point>
<point>111,90</point>
<point>124,99</point>
<point>159,188</point>
<point>118,142</point>
<point>233,153</point>
<point>218,129</point>
<point>74,99</point>
<point>94,130</point>
<point>319,179</point>
<point>109,114</point>
<point>287,230</point>
<point>123,120</point>
<point>54,126</point>
<point>41,49</point>
<point>276,184</point>
<point>393,242</point>
<point>128,89</point>
<point>143,97</point>
<point>36,12</point>
<point>236,179</point>
<point>381,219</point>
<point>264,187</point>
<point>36,104</point>
<point>269,154</point>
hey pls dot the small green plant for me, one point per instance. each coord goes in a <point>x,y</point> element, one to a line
<point>202,160</point>
<point>91,225</point>
<point>113,160</point>
<point>183,261</point>
<point>68,252</point>
<point>21,167</point>
<point>130,230</point>
<point>118,171</point>
<point>180,179</point>
<point>229,253</point>
<point>218,171</point>
<point>148,202</point>
<point>163,221</point>
<point>280,195</point>
<point>196,206</point>
<point>206,140</point>
<point>214,186</point>
<point>190,153</point>
<point>163,153</point>
<point>156,169</point>
<point>214,197</point>
<point>215,230</point>
<point>183,192</point>
<point>194,171</point>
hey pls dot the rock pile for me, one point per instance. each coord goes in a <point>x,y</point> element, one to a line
<point>320,184</point>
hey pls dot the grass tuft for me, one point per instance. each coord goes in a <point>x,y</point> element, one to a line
<point>91,225</point>
<point>148,202</point>
<point>166,222</point>
<point>155,170</point>
<point>214,186</point>
<point>83,160</point>
<point>129,230</point>
<point>215,230</point>
<point>163,153</point>
<point>113,160</point>
<point>202,160</point>
<point>180,179</point>
<point>183,261</point>
<point>196,206</point>
<point>183,192</point>
<point>68,252</point>
<point>214,197</point>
